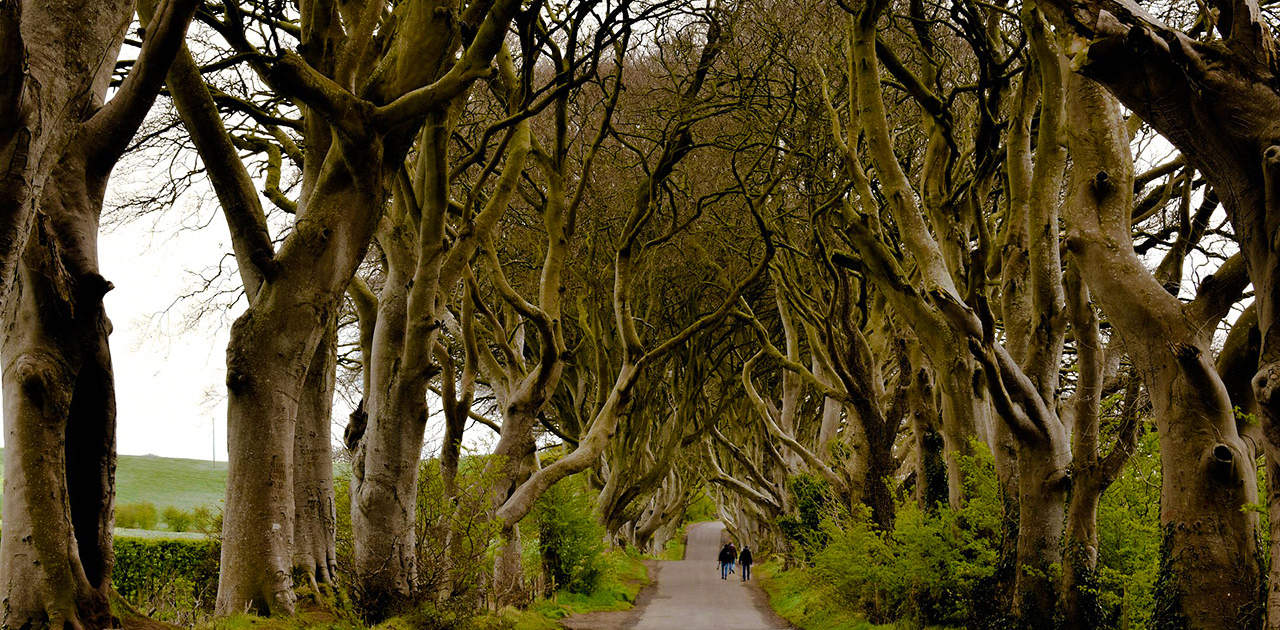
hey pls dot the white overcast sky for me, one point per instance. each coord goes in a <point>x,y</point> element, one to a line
<point>170,371</point>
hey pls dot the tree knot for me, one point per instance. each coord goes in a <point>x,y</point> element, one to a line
<point>1102,185</point>
<point>1222,462</point>
<point>1265,382</point>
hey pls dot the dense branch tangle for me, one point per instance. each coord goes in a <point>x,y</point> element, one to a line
<point>528,205</point>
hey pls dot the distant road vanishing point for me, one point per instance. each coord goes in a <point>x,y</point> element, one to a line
<point>689,595</point>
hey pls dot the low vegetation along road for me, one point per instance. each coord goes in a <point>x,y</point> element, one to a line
<point>689,594</point>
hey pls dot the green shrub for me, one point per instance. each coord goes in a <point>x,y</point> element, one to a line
<point>177,520</point>
<point>813,501</point>
<point>930,569</point>
<point>464,524</point>
<point>203,520</point>
<point>1129,540</point>
<point>137,516</point>
<point>170,580</point>
<point>569,539</point>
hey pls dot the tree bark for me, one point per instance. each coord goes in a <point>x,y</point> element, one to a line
<point>55,550</point>
<point>385,466</point>
<point>1216,101</point>
<point>1042,494</point>
<point>56,555</point>
<point>1209,572</point>
<point>47,88</point>
<point>931,474</point>
<point>271,347</point>
<point>315,523</point>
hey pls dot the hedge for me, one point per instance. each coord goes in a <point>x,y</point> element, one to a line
<point>182,570</point>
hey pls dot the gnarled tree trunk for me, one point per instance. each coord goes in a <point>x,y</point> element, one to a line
<point>56,553</point>
<point>1209,572</point>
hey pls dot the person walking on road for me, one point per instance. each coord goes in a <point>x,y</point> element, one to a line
<point>745,560</point>
<point>726,559</point>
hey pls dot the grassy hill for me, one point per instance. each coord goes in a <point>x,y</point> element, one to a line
<point>168,481</point>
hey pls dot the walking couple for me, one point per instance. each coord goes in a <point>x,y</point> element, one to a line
<point>728,554</point>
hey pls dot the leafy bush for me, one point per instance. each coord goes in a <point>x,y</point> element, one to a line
<point>204,520</point>
<point>930,569</point>
<point>176,519</point>
<point>570,540</point>
<point>460,525</point>
<point>170,580</point>
<point>1129,539</point>
<point>137,516</point>
<point>814,502</point>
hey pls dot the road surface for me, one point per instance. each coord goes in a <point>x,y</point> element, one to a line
<point>689,595</point>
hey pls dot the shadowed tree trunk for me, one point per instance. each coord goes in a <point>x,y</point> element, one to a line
<point>60,435</point>
<point>56,553</point>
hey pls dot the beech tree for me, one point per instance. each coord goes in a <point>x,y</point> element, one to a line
<point>1209,476</point>
<point>637,240</point>
<point>1223,123</point>
<point>428,256</point>
<point>357,128</point>
<point>56,554</point>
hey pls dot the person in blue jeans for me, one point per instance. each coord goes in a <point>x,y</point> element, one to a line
<point>726,558</point>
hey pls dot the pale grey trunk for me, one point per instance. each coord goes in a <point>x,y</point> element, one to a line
<point>315,518</point>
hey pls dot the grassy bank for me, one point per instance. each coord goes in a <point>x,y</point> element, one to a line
<point>168,481</point>
<point>808,605</point>
<point>674,549</point>
<point>623,577</point>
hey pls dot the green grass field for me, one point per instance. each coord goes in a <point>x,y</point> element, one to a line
<point>167,481</point>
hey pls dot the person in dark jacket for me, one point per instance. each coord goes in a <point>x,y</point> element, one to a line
<point>726,560</point>
<point>745,560</point>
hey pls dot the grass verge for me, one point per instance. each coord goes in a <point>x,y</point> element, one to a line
<point>809,605</point>
<point>623,577</point>
<point>674,550</point>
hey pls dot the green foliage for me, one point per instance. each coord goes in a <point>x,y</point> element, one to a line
<point>570,540</point>
<point>137,515</point>
<point>938,568</point>
<point>178,520</point>
<point>1129,540</point>
<point>462,521</point>
<point>929,569</point>
<point>449,615</point>
<point>701,508</point>
<point>204,520</point>
<point>170,580</point>
<point>813,501</point>
<point>806,602</point>
<point>622,575</point>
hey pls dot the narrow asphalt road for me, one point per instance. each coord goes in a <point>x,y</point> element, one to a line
<point>689,595</point>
